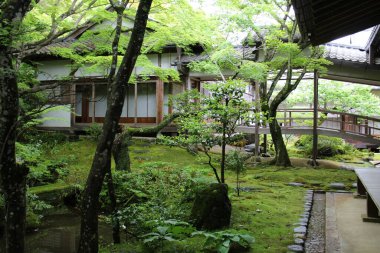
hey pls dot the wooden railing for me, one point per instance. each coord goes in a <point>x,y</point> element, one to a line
<point>328,119</point>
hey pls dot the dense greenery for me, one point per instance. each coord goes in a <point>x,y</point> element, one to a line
<point>162,184</point>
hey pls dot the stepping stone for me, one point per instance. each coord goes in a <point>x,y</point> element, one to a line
<point>295,248</point>
<point>296,184</point>
<point>298,235</point>
<point>299,241</point>
<point>300,224</point>
<point>355,185</point>
<point>300,229</point>
<point>337,186</point>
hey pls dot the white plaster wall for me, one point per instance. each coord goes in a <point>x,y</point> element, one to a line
<point>167,59</point>
<point>53,70</point>
<point>78,104</point>
<point>151,97</point>
<point>100,101</point>
<point>59,117</point>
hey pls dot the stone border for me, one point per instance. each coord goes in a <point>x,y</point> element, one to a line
<point>300,231</point>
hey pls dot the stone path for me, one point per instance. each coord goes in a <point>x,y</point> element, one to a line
<point>315,240</point>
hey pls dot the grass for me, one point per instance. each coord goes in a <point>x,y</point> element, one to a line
<point>268,212</point>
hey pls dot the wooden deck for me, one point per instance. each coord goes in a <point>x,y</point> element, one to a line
<point>369,186</point>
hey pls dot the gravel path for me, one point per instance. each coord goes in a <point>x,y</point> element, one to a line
<point>315,241</point>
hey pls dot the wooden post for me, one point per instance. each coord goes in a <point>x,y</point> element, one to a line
<point>73,102</point>
<point>257,110</point>
<point>315,120</point>
<point>159,100</point>
<point>93,102</point>
<point>135,118</point>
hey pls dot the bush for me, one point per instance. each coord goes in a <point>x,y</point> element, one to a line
<point>158,192</point>
<point>42,171</point>
<point>327,146</point>
<point>94,131</point>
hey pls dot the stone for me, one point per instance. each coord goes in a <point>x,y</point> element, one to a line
<point>295,248</point>
<point>300,229</point>
<point>303,220</point>
<point>355,185</point>
<point>212,208</point>
<point>299,235</point>
<point>337,186</point>
<point>299,241</point>
<point>296,184</point>
<point>300,224</point>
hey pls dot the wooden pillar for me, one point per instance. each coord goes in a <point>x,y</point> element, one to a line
<point>93,102</point>
<point>73,102</point>
<point>315,119</point>
<point>159,100</point>
<point>135,117</point>
<point>257,110</point>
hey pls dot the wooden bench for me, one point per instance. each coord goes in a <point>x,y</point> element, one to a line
<point>368,181</point>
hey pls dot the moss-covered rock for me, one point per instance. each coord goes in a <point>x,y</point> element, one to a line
<point>212,208</point>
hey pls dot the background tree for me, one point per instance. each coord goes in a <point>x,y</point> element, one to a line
<point>12,175</point>
<point>117,91</point>
<point>333,95</point>
<point>211,120</point>
<point>271,38</point>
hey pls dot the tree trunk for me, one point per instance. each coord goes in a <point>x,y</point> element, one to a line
<point>113,207</point>
<point>12,176</point>
<point>88,242</point>
<point>223,161</point>
<point>282,156</point>
<point>120,149</point>
<point>120,152</point>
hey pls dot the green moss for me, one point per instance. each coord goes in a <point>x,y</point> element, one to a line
<point>48,188</point>
<point>268,211</point>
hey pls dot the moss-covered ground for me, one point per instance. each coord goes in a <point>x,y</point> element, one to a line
<point>268,210</point>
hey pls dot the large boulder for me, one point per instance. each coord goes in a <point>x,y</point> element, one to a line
<point>212,208</point>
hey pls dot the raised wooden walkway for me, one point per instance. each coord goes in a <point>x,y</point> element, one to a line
<point>336,124</point>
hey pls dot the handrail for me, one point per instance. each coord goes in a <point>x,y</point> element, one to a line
<point>354,124</point>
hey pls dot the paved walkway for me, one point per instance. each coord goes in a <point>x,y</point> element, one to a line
<point>345,230</point>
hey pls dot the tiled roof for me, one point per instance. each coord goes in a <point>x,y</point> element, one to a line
<point>247,53</point>
<point>50,49</point>
<point>346,53</point>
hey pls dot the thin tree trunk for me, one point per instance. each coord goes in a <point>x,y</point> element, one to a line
<point>113,207</point>
<point>222,163</point>
<point>282,156</point>
<point>88,242</point>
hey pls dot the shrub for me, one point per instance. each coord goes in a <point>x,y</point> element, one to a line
<point>327,146</point>
<point>94,131</point>
<point>223,241</point>
<point>159,192</point>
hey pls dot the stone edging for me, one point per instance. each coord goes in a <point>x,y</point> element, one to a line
<point>300,231</point>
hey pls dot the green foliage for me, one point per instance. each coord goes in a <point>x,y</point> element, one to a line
<point>166,230</point>
<point>332,95</point>
<point>235,161</point>
<point>213,120</point>
<point>35,210</point>
<point>94,131</point>
<point>222,241</point>
<point>155,191</point>
<point>327,146</point>
<point>41,171</point>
